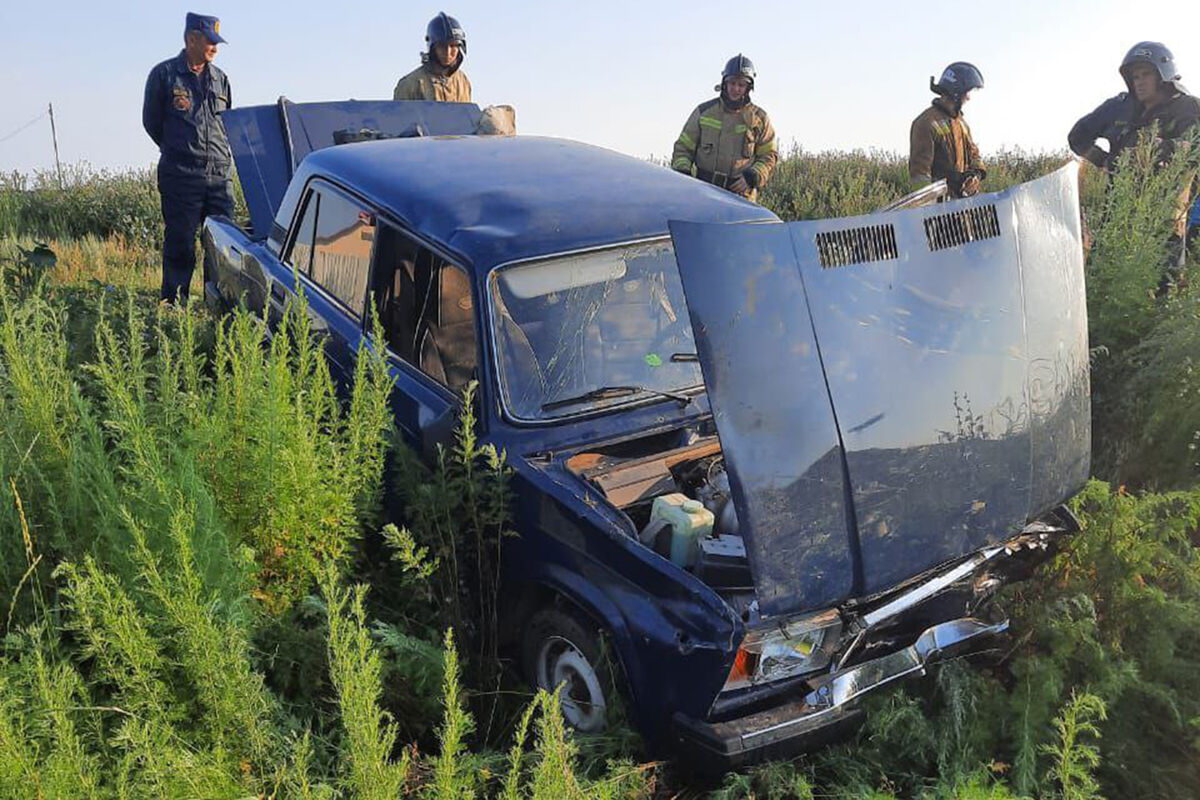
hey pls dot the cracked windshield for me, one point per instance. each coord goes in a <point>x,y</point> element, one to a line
<point>594,330</point>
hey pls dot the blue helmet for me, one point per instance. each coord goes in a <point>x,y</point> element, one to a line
<point>738,66</point>
<point>1156,55</point>
<point>957,79</point>
<point>445,28</point>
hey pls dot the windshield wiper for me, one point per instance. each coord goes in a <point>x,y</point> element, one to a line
<point>610,392</point>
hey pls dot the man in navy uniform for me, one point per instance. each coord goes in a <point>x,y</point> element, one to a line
<point>184,96</point>
<point>1155,97</point>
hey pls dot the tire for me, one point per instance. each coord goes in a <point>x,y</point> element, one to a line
<point>557,647</point>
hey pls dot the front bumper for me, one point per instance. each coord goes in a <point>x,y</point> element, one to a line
<point>829,711</point>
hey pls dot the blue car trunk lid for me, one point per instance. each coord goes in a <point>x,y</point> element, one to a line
<point>269,142</point>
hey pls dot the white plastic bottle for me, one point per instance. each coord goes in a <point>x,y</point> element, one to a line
<point>689,521</point>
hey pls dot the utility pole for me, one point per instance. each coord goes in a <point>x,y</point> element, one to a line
<point>54,135</point>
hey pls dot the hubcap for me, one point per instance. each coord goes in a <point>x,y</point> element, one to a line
<point>560,663</point>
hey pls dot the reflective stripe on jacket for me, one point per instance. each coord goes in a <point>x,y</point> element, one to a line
<point>717,144</point>
<point>941,146</point>
<point>424,84</point>
<point>180,112</point>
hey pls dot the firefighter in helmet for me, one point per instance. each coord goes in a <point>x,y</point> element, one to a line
<point>728,141</point>
<point>940,143</point>
<point>440,76</point>
<point>1155,97</point>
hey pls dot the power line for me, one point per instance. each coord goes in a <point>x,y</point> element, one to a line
<point>38,118</point>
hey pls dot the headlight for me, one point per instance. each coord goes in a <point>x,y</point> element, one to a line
<point>791,648</point>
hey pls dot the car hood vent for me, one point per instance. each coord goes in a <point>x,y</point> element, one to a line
<point>959,227</point>
<point>856,245</point>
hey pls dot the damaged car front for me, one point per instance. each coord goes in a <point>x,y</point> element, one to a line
<point>887,414</point>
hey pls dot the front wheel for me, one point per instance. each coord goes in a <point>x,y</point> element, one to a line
<point>558,649</point>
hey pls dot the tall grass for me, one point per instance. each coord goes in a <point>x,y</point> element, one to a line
<point>458,514</point>
<point>355,670</point>
<point>100,203</point>
<point>168,501</point>
<point>1142,321</point>
<point>839,184</point>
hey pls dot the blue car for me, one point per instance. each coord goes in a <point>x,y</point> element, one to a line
<point>775,466</point>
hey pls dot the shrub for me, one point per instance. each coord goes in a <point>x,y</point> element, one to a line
<point>101,203</point>
<point>1131,228</point>
<point>458,512</point>
<point>840,184</point>
<point>135,672</point>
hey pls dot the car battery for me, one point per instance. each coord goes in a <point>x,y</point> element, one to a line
<point>722,563</point>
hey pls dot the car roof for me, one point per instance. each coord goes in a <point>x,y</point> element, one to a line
<point>497,199</point>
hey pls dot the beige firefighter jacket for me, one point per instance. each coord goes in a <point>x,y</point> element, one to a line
<point>940,146</point>
<point>424,83</point>
<point>717,145</point>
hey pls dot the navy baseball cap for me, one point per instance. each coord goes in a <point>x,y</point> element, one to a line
<point>209,26</point>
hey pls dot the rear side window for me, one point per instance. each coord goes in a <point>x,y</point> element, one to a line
<point>300,254</point>
<point>343,234</point>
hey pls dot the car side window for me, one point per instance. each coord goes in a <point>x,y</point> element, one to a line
<point>341,251</point>
<point>426,309</point>
<point>300,253</point>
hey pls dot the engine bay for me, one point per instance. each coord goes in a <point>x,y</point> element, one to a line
<point>675,491</point>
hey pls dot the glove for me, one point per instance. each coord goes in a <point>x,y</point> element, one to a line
<point>964,184</point>
<point>970,184</point>
<point>751,178</point>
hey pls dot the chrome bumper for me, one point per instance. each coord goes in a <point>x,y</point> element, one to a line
<point>947,640</point>
<point>828,712</point>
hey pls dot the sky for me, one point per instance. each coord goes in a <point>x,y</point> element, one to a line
<point>623,75</point>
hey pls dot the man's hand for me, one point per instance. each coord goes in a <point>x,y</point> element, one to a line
<point>970,185</point>
<point>1096,156</point>
<point>745,183</point>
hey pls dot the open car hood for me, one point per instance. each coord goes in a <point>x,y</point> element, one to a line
<point>893,391</point>
<point>269,142</point>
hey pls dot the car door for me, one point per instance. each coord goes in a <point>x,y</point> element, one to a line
<point>426,309</point>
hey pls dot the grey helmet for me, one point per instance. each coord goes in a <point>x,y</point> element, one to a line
<point>445,28</point>
<point>1156,55</point>
<point>957,79</point>
<point>739,65</point>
